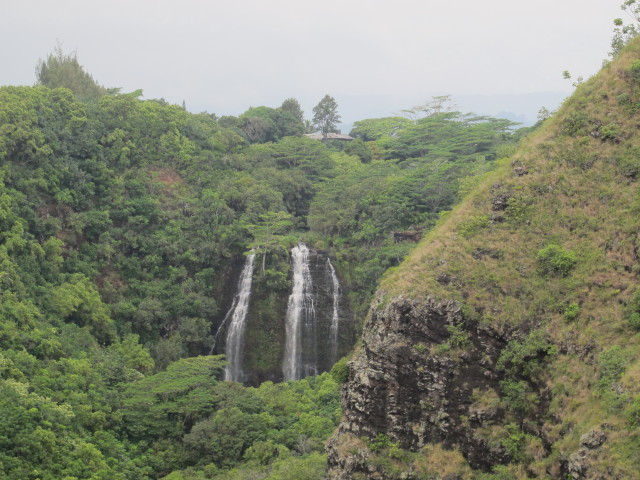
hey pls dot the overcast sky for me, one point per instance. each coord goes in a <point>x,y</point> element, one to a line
<point>224,56</point>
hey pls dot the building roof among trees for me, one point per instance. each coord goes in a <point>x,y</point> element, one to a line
<point>329,136</point>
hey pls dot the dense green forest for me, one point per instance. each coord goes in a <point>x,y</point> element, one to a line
<point>121,223</point>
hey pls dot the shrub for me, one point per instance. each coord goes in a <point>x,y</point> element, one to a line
<point>613,362</point>
<point>553,259</point>
<point>634,71</point>
<point>515,443</point>
<point>575,123</point>
<point>632,412</point>
<point>458,338</point>
<point>632,311</point>
<point>571,312</point>
<point>471,226</point>
<point>420,347</point>
<point>524,359</point>
<point>517,397</point>
<point>379,442</point>
<point>610,132</point>
<point>517,210</point>
<point>623,99</point>
<point>630,162</point>
<point>340,371</point>
<point>634,321</point>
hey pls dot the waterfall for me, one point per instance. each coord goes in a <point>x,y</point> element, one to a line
<point>222,325</point>
<point>300,320</point>
<point>335,317</point>
<point>238,315</point>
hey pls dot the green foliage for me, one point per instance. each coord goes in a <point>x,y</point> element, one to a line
<point>632,412</point>
<point>264,124</point>
<point>629,162</point>
<point>225,437</point>
<point>517,211</point>
<point>265,452</point>
<point>228,424</point>
<point>515,443</point>
<point>64,70</point>
<point>518,397</point>
<point>269,234</point>
<point>526,358</point>
<point>311,467</point>
<point>325,115</point>
<point>634,71</point>
<point>377,128</point>
<point>571,312</point>
<point>500,472</point>
<point>275,280</point>
<point>420,347</point>
<point>292,106</point>
<point>159,405</point>
<point>556,260</point>
<point>610,132</point>
<point>442,134</point>
<point>632,311</point>
<point>379,442</point>
<point>340,371</point>
<point>622,33</point>
<point>458,336</point>
<point>576,123</point>
<point>360,149</point>
<point>612,364</point>
<point>634,321</point>
<point>78,300</point>
<point>473,225</point>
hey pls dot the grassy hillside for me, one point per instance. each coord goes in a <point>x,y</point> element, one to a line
<point>546,251</point>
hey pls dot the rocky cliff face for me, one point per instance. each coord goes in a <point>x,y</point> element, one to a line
<point>411,382</point>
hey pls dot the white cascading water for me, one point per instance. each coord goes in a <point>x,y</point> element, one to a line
<point>335,318</point>
<point>300,319</point>
<point>222,325</point>
<point>235,333</point>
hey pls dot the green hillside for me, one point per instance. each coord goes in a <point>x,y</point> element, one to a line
<point>526,299</point>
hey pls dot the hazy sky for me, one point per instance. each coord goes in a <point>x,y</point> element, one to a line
<point>226,55</point>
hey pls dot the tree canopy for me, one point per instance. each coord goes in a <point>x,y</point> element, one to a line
<point>325,115</point>
<point>63,70</point>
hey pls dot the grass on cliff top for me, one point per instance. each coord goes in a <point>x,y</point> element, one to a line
<point>580,193</point>
<point>564,256</point>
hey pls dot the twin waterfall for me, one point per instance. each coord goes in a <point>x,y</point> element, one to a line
<point>311,324</point>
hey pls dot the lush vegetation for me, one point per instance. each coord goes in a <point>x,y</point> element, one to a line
<point>121,222</point>
<point>400,175</point>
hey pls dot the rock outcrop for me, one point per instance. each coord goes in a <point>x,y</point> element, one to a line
<point>412,382</point>
<point>581,464</point>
